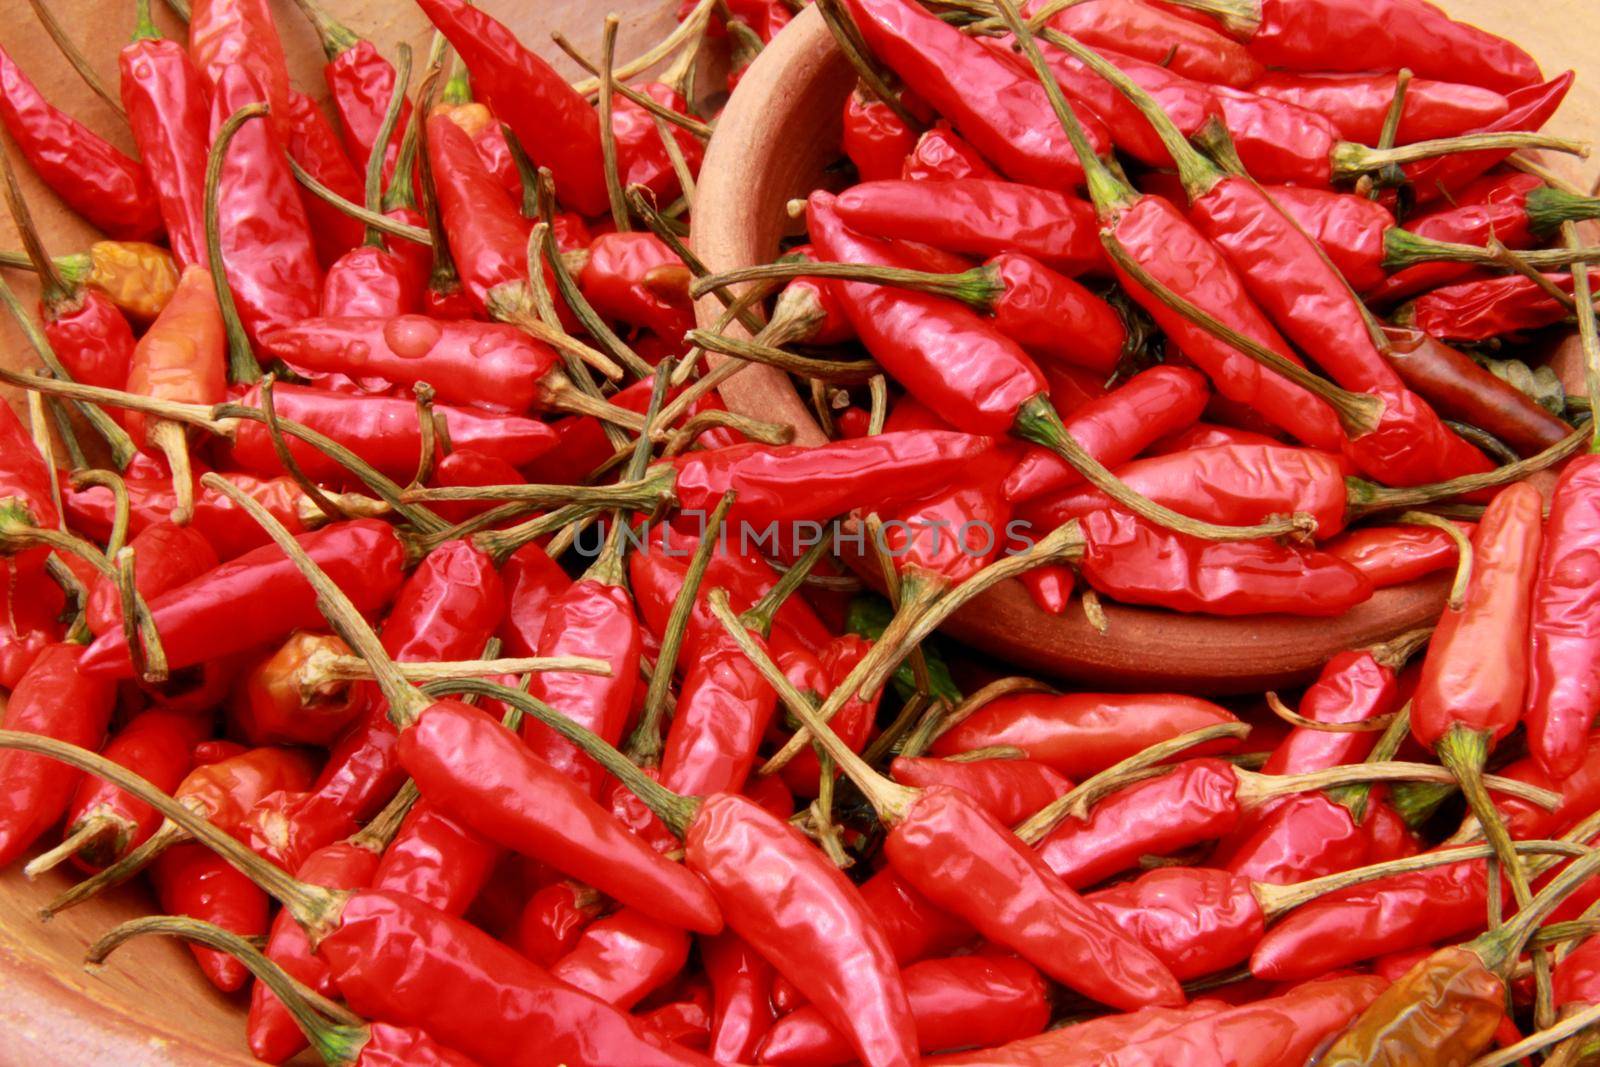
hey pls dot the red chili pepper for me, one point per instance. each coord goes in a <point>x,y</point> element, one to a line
<point>165,557</point>
<point>1349,228</point>
<point>267,242</point>
<point>92,177</point>
<point>280,700</point>
<point>1481,310</point>
<point>381,430</point>
<point>437,861</point>
<point>532,581</point>
<point>642,158</point>
<point>635,278</point>
<point>722,712</point>
<point>1081,734</point>
<point>1394,555</point>
<point>314,145</point>
<point>1564,632</point>
<point>1115,427</point>
<point>1358,103</point>
<point>360,83</point>
<point>258,598</point>
<point>1009,789</point>
<point>1157,36</point>
<point>190,880</point>
<point>1531,107</point>
<point>941,155</point>
<point>165,97</point>
<point>624,957</point>
<point>874,136</point>
<point>556,125</point>
<point>852,723</point>
<point>369,282</point>
<point>1001,111</point>
<point>554,918</point>
<point>479,364</point>
<point>226,33</point>
<point>30,621</point>
<point>1461,389</point>
<point>57,699</point>
<point>965,1001</point>
<point>1140,563</point>
<point>979,216</point>
<point>741,981</point>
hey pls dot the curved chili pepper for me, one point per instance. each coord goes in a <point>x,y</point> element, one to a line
<point>480,364</point>
<point>1358,103</point>
<point>1082,734</point>
<point>267,242</point>
<point>637,279</point>
<point>1140,563</point>
<point>1461,389</point>
<point>1050,586</point>
<point>1564,631</point>
<point>190,880</point>
<point>979,216</point>
<point>874,137</point>
<point>1394,555</point>
<point>1115,427</point>
<point>360,84</point>
<point>553,919</point>
<point>1306,836</point>
<point>741,981</point>
<point>556,125</point>
<point>1002,112</point>
<point>487,137</point>
<point>166,556</point>
<point>723,709</point>
<point>166,101</point>
<point>381,430</point>
<point>941,155</point>
<point>624,957</point>
<point>1349,228</point>
<point>1480,310</point>
<point>968,1000</point>
<point>55,698</point>
<point>436,860</point>
<point>314,145</point>
<point>92,177</point>
<point>258,598</point>
<point>90,335</point>
<point>1009,789</point>
<point>1157,36</point>
<point>1052,316</point>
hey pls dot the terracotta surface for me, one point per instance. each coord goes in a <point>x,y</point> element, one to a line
<point>779,131</point>
<point>149,1007</point>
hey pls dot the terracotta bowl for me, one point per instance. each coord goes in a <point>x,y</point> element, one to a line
<point>149,1006</point>
<point>781,128</point>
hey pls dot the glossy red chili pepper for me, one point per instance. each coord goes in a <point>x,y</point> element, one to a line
<point>478,364</point>
<point>979,216</point>
<point>853,722</point>
<point>642,158</point>
<point>258,598</point>
<point>166,101</point>
<point>1052,316</point>
<point>1358,103</point>
<point>624,957</point>
<point>225,33</point>
<point>29,623</point>
<point>819,934</point>
<point>556,125</point>
<point>267,242</point>
<point>1050,586</point>
<point>280,700</point>
<point>89,333</point>
<point>1349,228</point>
<point>1157,36</point>
<point>1564,631</point>
<point>1305,836</point>
<point>92,177</point>
<point>191,880</point>
<point>436,860</point>
<point>874,137</point>
<point>1115,427</point>
<point>1462,690</point>
<point>532,581</point>
<point>632,812</point>
<point>942,155</point>
<point>488,140</point>
<point>313,143</point>
<point>1576,979</point>
<point>55,698</point>
<point>1579,792</point>
<point>360,84</point>
<point>968,1000</point>
<point>1009,789</point>
<point>741,983</point>
<point>636,279</point>
<point>554,918</point>
<point>1461,389</point>
<point>165,557</point>
<point>1492,307</point>
<point>1394,555</point>
<point>1001,111</point>
<point>1341,35</point>
<point>381,430</point>
<point>1530,108</point>
<point>1140,563</point>
<point>723,709</point>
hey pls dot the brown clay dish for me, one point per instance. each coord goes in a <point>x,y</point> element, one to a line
<point>780,129</point>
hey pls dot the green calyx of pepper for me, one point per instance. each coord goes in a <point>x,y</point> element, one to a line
<point>1402,248</point>
<point>1548,208</point>
<point>1353,160</point>
<point>1364,498</point>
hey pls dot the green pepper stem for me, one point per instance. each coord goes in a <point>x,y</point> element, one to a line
<point>242,365</point>
<point>338,1043</point>
<point>373,219</point>
<point>1464,751</point>
<point>1355,798</point>
<point>1255,789</point>
<point>144,27</point>
<point>373,190</point>
<point>979,288</point>
<point>849,41</point>
<point>1351,160</point>
<point>759,616</point>
<point>406,702</point>
<point>841,372</point>
<point>1402,248</point>
<point>1241,18</point>
<point>1548,207</point>
<point>1364,497</point>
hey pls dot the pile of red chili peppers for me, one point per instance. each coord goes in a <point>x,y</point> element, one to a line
<point>385,579</point>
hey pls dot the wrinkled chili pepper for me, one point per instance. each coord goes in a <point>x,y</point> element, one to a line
<point>624,957</point>
<point>941,155</point>
<point>1394,555</point>
<point>1358,104</point>
<point>874,137</point>
<point>360,82</point>
<point>225,33</point>
<point>193,882</point>
<point>314,145</point>
<point>556,125</point>
<point>1530,108</point>
<point>276,701</point>
<point>1492,307</point>
<point>1009,789</point>
<point>96,180</point>
<point>637,279</point>
<point>166,556</point>
<point>1157,36</point>
<point>553,919</point>
<point>741,983</point>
